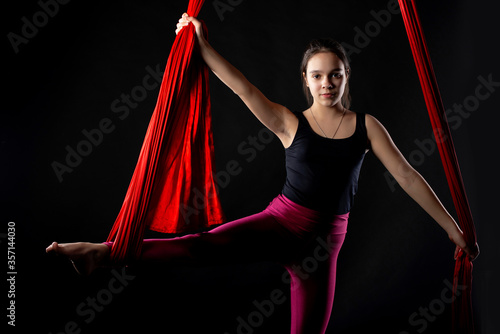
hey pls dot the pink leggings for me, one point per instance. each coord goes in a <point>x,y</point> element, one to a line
<point>302,240</point>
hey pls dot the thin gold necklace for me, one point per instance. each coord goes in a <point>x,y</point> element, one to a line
<point>338,127</point>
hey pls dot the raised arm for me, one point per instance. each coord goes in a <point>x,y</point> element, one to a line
<point>274,116</point>
<point>413,183</point>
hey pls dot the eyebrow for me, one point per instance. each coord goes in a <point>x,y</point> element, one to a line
<point>318,71</point>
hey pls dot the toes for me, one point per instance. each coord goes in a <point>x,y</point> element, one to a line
<point>52,248</point>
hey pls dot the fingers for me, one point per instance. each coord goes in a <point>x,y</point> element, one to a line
<point>472,252</point>
<point>183,22</point>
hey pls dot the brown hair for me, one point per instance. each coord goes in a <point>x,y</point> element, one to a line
<point>325,45</point>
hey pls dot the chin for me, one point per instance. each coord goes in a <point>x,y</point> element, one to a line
<point>328,102</point>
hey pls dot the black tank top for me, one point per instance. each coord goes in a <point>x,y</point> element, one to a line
<point>321,173</point>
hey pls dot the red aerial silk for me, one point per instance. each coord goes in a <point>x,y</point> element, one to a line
<point>462,305</point>
<point>172,189</point>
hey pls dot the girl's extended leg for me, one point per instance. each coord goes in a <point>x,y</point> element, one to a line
<point>255,238</point>
<point>258,237</point>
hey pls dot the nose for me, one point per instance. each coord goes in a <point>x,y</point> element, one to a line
<point>327,83</point>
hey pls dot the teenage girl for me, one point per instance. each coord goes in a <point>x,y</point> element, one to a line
<point>324,146</point>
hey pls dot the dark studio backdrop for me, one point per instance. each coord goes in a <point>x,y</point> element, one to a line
<point>87,67</point>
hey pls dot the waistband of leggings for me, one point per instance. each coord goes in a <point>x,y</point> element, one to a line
<point>282,202</point>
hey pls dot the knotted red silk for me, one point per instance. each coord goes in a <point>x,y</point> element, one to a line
<point>462,281</point>
<point>172,188</point>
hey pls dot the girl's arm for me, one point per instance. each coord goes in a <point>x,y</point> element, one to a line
<point>413,183</point>
<point>275,117</point>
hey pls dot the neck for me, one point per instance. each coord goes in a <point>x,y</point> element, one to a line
<point>323,112</point>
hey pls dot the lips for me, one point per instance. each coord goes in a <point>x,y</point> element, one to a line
<point>327,95</point>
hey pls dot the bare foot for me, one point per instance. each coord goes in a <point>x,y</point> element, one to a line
<point>85,256</point>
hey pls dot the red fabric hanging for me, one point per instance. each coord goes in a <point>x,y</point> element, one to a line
<point>172,189</point>
<point>462,305</point>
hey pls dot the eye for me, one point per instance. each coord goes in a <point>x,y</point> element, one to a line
<point>337,75</point>
<point>316,76</point>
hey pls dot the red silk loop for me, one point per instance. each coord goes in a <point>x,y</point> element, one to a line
<point>462,318</point>
<point>172,189</point>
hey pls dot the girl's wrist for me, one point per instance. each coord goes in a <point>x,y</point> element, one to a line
<point>457,238</point>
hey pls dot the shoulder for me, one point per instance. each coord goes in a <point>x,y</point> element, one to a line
<point>378,136</point>
<point>369,118</point>
<point>373,125</point>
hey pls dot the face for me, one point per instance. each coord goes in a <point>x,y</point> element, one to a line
<point>326,78</point>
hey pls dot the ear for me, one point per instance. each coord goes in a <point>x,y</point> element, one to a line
<point>305,78</point>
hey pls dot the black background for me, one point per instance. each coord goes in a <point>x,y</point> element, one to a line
<point>395,258</point>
